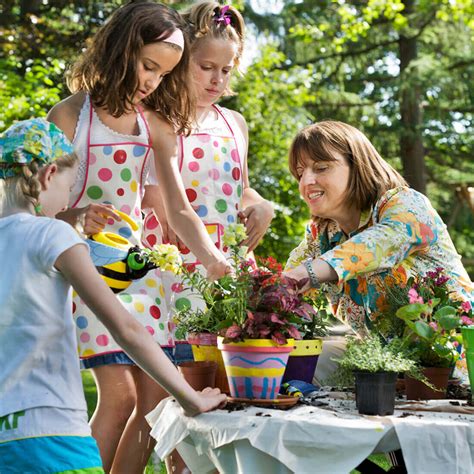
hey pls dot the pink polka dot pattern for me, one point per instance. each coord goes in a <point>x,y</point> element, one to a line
<point>214,174</point>
<point>92,159</point>
<point>198,153</point>
<point>177,287</point>
<point>102,340</point>
<point>193,166</point>
<point>105,174</point>
<point>204,138</point>
<point>126,208</point>
<point>85,337</point>
<point>151,222</point>
<point>227,189</point>
<point>234,154</point>
<point>150,330</point>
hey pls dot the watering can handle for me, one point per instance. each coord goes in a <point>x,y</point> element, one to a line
<point>128,220</point>
<point>103,237</point>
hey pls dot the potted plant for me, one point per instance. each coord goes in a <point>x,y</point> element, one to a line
<point>428,322</point>
<point>375,366</point>
<point>264,312</point>
<point>304,357</point>
<point>255,310</point>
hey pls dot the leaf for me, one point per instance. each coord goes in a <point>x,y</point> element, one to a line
<point>410,312</point>
<point>424,330</point>
<point>449,322</point>
<point>233,332</point>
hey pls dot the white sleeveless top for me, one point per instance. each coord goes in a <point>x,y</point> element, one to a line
<point>213,124</point>
<point>100,133</point>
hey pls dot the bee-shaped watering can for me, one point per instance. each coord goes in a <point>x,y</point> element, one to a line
<point>117,260</point>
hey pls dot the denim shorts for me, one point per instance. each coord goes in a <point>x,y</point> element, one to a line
<point>182,352</point>
<point>118,358</point>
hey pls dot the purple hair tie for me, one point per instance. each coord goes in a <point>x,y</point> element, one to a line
<point>223,16</point>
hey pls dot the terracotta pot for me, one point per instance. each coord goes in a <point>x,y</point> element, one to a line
<point>255,367</point>
<point>200,374</point>
<point>302,361</point>
<point>204,346</point>
<point>437,376</point>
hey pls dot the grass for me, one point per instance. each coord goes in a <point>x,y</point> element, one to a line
<point>91,399</point>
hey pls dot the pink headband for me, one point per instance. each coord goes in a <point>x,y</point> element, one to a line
<point>176,38</point>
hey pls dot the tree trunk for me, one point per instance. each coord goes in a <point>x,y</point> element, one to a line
<point>411,141</point>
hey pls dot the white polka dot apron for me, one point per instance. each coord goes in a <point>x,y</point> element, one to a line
<point>115,175</point>
<point>211,171</point>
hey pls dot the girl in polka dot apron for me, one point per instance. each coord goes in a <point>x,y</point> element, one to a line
<point>212,159</point>
<point>117,133</point>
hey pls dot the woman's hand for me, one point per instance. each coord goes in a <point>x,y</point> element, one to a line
<point>299,273</point>
<point>207,400</point>
<point>94,217</point>
<point>218,270</point>
<point>257,219</point>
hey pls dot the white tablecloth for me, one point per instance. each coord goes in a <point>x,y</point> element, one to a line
<point>307,439</point>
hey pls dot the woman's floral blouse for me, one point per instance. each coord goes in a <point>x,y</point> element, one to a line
<point>401,236</point>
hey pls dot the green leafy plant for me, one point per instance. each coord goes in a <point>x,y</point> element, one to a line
<point>372,354</point>
<point>252,303</point>
<point>429,317</point>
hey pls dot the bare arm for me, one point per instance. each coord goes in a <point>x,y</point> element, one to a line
<point>257,213</point>
<point>91,218</point>
<point>76,265</point>
<point>181,215</point>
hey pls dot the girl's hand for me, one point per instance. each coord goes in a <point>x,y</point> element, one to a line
<point>207,400</point>
<point>153,199</point>
<point>94,217</point>
<point>257,219</point>
<point>218,270</point>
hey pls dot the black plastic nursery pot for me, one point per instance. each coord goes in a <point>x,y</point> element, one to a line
<point>375,392</point>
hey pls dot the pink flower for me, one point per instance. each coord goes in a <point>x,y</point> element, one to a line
<point>466,306</point>
<point>434,325</point>
<point>413,296</point>
<point>467,321</point>
<point>455,343</point>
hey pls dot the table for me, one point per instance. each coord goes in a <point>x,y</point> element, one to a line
<point>307,439</point>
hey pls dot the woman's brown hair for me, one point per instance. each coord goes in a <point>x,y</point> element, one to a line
<point>370,175</point>
<point>107,70</point>
<point>211,20</point>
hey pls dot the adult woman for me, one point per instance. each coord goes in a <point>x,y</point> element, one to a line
<point>366,224</point>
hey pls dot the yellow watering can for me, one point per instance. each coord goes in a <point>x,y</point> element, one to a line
<point>118,261</point>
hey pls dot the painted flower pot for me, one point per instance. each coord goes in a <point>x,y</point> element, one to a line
<point>255,367</point>
<point>437,376</point>
<point>200,374</point>
<point>468,344</point>
<point>204,347</point>
<point>375,392</point>
<point>303,360</point>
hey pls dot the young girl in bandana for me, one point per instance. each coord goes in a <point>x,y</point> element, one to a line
<point>131,95</point>
<point>43,414</point>
<point>213,158</point>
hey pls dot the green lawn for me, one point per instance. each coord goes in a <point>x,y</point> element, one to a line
<point>91,398</point>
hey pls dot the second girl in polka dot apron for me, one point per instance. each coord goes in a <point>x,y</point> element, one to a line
<point>115,171</point>
<point>211,171</point>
